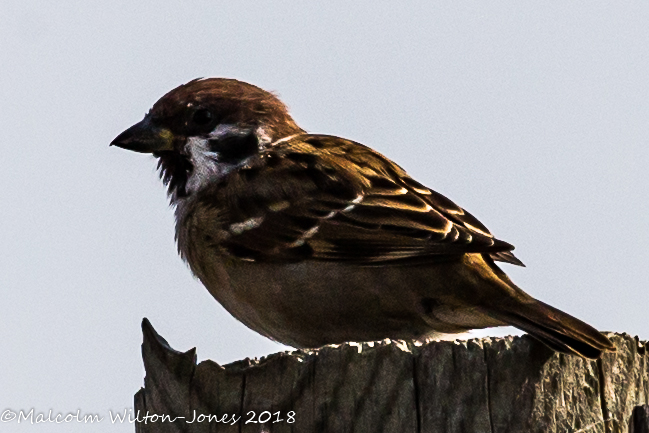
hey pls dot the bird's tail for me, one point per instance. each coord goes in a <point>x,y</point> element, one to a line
<point>556,329</point>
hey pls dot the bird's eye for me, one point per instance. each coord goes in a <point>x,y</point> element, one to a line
<point>202,117</point>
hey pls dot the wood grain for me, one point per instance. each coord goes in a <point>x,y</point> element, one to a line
<point>490,385</point>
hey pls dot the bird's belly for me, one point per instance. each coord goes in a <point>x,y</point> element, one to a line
<point>311,304</point>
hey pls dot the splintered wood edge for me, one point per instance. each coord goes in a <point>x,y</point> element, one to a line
<point>175,383</point>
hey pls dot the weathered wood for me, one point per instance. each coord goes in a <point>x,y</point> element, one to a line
<point>626,382</point>
<point>167,381</point>
<point>459,373</point>
<point>514,384</point>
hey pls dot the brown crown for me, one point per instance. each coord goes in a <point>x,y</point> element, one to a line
<point>233,101</point>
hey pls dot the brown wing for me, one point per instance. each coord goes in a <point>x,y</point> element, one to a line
<point>318,197</point>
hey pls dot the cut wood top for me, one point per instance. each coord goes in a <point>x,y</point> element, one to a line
<point>512,384</point>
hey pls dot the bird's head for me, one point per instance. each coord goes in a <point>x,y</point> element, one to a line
<point>203,129</point>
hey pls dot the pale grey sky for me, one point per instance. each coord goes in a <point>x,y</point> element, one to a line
<point>532,115</point>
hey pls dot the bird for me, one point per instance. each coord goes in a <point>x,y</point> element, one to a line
<point>312,239</point>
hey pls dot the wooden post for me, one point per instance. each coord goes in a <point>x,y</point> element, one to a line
<point>512,384</point>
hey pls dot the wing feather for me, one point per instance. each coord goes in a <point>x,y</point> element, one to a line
<point>326,198</point>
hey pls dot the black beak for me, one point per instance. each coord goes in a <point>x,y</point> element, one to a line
<point>145,137</point>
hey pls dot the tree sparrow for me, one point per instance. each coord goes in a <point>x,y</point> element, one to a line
<point>313,239</point>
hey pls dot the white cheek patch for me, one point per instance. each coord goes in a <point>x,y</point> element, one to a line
<point>207,166</point>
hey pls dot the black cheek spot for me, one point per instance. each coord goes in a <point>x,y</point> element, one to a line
<point>235,149</point>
